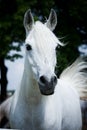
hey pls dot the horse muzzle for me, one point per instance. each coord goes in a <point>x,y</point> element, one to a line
<point>47,87</point>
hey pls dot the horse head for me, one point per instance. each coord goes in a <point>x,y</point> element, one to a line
<point>41,46</point>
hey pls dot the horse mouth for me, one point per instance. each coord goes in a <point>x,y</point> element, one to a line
<point>46,91</point>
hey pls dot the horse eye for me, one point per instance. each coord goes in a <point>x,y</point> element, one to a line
<point>28,47</point>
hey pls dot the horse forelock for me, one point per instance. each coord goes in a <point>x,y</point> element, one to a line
<point>44,36</point>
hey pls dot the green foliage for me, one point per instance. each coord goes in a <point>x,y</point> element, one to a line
<point>11,24</point>
<point>72,26</point>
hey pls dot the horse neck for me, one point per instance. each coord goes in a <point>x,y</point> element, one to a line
<point>29,86</point>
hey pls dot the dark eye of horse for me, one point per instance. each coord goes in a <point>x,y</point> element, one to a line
<point>28,47</point>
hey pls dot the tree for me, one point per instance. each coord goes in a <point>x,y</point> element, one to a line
<point>72,26</point>
<point>10,15</point>
<point>5,40</point>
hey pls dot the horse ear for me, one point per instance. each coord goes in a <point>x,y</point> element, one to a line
<point>52,20</point>
<point>28,21</point>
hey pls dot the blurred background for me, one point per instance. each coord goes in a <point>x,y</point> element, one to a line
<point>71,29</point>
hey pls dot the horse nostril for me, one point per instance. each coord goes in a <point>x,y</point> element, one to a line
<point>54,79</point>
<point>43,79</point>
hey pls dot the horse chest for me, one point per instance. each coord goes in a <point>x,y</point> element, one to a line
<point>34,117</point>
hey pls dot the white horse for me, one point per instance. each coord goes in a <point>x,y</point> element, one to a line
<point>43,102</point>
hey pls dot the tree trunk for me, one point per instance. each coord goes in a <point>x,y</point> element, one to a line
<point>3,80</point>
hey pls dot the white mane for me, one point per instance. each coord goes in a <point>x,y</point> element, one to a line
<point>44,33</point>
<point>44,36</point>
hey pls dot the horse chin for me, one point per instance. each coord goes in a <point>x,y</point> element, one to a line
<point>47,93</point>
